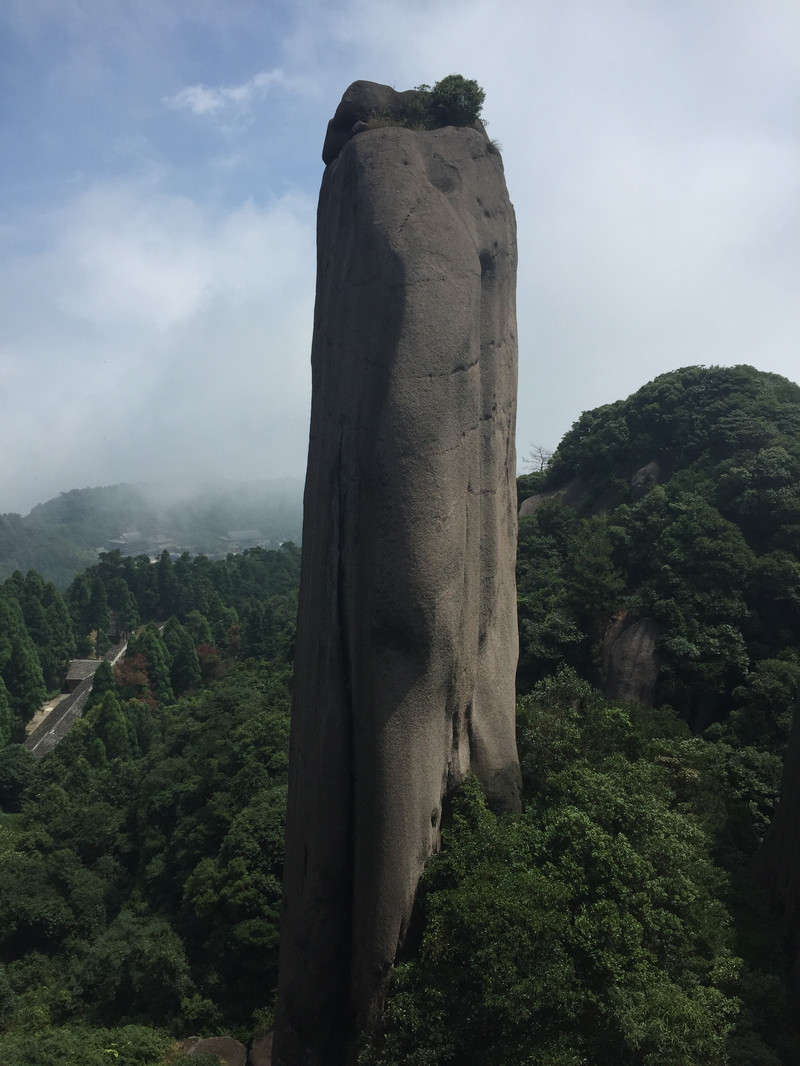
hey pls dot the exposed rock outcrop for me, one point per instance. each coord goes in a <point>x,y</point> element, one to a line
<point>644,479</point>
<point>407,642</point>
<point>578,495</point>
<point>229,1051</point>
<point>571,495</point>
<point>630,665</point>
<point>364,100</point>
<point>574,494</point>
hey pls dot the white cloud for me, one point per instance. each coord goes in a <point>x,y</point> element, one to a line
<point>152,338</point>
<point>652,155</point>
<point>236,100</point>
<point>651,151</point>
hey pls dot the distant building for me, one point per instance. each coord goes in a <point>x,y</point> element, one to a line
<point>126,541</point>
<point>79,670</point>
<point>239,540</point>
<point>135,543</point>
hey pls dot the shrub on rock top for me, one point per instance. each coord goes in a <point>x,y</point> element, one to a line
<point>456,101</point>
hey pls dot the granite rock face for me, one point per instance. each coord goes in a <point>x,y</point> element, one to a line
<point>363,101</point>
<point>407,639</point>
<point>630,664</point>
<point>644,479</point>
<point>570,495</point>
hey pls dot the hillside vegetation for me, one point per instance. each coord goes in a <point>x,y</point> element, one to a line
<point>617,920</point>
<point>140,860</point>
<point>706,544</point>
<point>614,923</point>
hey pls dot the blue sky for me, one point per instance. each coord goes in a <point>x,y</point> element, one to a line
<point>159,168</point>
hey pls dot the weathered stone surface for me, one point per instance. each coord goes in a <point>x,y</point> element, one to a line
<point>407,641</point>
<point>571,495</point>
<point>644,479</point>
<point>362,101</point>
<point>230,1051</point>
<point>629,659</point>
<point>576,495</point>
<point>261,1051</point>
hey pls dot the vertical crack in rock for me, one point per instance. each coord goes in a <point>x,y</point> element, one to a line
<point>407,636</point>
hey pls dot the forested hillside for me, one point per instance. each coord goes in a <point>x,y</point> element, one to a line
<point>244,603</point>
<point>36,642</point>
<point>685,512</point>
<point>60,538</point>
<point>615,922</point>
<point>140,867</point>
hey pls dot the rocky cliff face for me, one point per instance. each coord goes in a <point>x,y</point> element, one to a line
<point>407,641</point>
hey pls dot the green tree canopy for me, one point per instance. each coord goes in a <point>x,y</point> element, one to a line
<point>158,661</point>
<point>184,668</point>
<point>456,101</point>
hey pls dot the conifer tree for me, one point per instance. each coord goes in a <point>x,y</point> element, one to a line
<point>5,715</point>
<point>168,587</point>
<point>110,726</point>
<point>198,628</point>
<point>185,668</point>
<point>19,664</point>
<point>148,642</point>
<point>102,683</point>
<point>121,600</point>
<point>59,646</point>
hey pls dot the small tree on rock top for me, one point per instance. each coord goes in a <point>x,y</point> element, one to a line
<point>456,101</point>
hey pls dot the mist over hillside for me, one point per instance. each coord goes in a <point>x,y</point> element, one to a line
<point>61,537</point>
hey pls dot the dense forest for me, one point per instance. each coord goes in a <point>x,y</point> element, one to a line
<point>140,871</point>
<point>61,538</point>
<point>616,921</point>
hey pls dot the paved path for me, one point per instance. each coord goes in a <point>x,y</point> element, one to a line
<point>60,720</point>
<point>44,711</point>
<point>65,711</point>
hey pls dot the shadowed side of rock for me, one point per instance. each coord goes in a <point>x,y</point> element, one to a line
<point>777,863</point>
<point>630,663</point>
<point>407,643</point>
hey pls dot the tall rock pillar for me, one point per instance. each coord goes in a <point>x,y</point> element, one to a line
<point>407,635</point>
